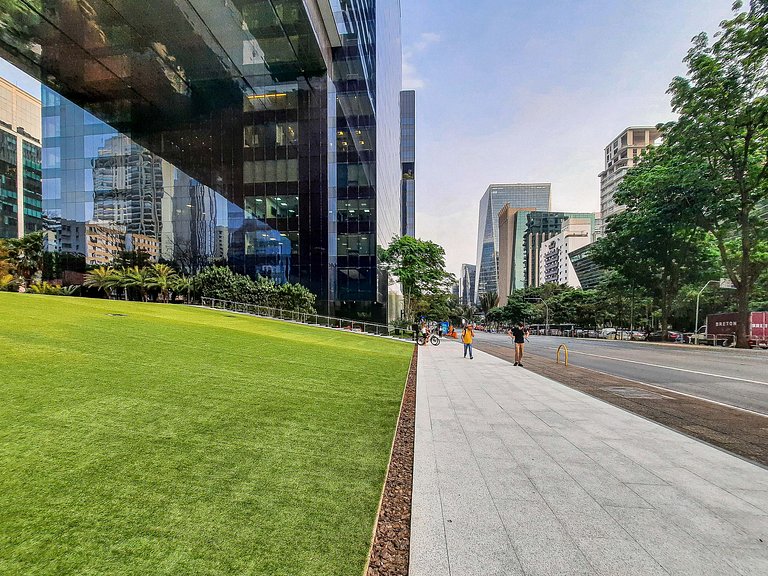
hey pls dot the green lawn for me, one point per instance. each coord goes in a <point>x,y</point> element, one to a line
<point>175,440</point>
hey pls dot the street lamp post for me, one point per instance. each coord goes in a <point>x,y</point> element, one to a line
<point>698,297</point>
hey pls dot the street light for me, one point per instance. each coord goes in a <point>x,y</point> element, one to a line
<point>696,326</point>
<point>546,321</point>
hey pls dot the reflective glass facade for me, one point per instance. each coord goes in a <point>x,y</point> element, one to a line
<point>408,162</point>
<point>20,162</point>
<point>105,194</point>
<point>467,284</point>
<point>542,226</point>
<point>529,196</point>
<point>260,132</point>
<point>9,192</point>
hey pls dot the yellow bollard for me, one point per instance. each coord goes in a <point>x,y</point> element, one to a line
<point>557,358</point>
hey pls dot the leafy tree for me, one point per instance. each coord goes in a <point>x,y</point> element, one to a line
<point>438,307</point>
<point>517,309</point>
<point>294,297</point>
<point>649,244</point>
<point>419,266</point>
<point>494,316</point>
<point>103,279</point>
<point>223,284</point>
<point>718,148</point>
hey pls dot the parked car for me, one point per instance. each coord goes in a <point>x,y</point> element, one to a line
<point>672,336</point>
<point>607,333</point>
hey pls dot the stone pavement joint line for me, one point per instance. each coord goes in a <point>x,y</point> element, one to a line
<point>517,474</point>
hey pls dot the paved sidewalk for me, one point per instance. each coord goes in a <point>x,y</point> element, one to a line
<point>517,474</point>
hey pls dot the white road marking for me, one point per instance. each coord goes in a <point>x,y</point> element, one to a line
<point>671,368</point>
<point>672,390</point>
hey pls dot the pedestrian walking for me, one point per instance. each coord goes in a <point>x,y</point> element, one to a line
<point>467,335</point>
<point>519,333</point>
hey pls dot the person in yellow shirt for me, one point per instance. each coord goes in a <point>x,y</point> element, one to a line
<point>466,337</point>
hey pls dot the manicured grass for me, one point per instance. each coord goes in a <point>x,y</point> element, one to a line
<point>182,441</point>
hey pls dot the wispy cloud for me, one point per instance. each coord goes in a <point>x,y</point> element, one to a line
<point>412,78</point>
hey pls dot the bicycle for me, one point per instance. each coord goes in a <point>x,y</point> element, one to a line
<point>433,339</point>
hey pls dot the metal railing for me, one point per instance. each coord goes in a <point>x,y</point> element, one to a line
<point>308,318</point>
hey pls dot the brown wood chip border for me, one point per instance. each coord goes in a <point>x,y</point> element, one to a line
<point>391,545</point>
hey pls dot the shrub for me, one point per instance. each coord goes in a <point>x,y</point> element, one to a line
<point>221,283</point>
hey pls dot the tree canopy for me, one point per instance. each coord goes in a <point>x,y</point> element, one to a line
<point>419,267</point>
<point>717,151</point>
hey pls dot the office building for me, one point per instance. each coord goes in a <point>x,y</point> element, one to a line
<point>521,196</point>
<point>621,154</point>
<point>511,260</point>
<point>467,284</point>
<point>540,227</point>
<point>408,161</point>
<point>20,162</point>
<point>555,265</point>
<point>277,122</point>
<point>587,270</point>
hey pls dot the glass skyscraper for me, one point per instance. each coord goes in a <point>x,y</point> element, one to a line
<point>530,197</point>
<point>263,133</point>
<point>408,160</point>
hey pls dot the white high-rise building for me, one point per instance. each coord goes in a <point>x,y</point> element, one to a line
<point>621,154</point>
<point>555,265</point>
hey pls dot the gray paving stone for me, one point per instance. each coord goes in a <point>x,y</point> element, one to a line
<point>673,548</point>
<point>758,498</point>
<point>611,557</point>
<point>693,516</point>
<point>516,474</point>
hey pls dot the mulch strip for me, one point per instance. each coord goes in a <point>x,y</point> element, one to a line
<point>390,551</point>
<point>742,433</point>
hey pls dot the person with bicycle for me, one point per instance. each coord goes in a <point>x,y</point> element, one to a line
<point>424,333</point>
<point>467,335</point>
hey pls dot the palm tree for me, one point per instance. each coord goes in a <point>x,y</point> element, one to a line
<point>467,312</point>
<point>163,277</point>
<point>102,278</point>
<point>488,301</point>
<point>184,285</point>
<point>135,277</point>
<point>26,254</point>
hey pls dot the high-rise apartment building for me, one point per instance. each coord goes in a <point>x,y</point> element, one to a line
<point>622,154</point>
<point>277,121</point>
<point>408,161</point>
<point>467,284</point>
<point>526,196</point>
<point>540,227</point>
<point>20,162</point>
<point>555,265</point>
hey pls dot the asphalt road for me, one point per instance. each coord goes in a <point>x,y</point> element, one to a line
<point>733,377</point>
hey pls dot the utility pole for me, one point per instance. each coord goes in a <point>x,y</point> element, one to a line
<point>698,297</point>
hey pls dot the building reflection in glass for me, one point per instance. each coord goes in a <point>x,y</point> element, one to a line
<point>213,122</point>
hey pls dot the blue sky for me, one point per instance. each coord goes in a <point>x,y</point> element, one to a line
<point>533,90</point>
<point>528,90</point>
